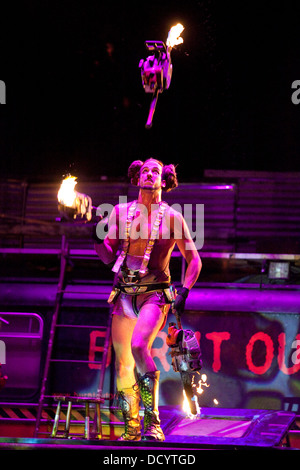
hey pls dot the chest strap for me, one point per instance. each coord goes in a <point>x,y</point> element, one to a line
<point>153,236</point>
<point>122,255</point>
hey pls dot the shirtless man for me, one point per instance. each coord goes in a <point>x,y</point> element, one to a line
<point>142,288</point>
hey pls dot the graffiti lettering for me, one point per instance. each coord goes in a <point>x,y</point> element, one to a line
<point>162,352</point>
<point>260,336</point>
<point>258,340</point>
<point>93,348</point>
<point>217,339</point>
<point>268,345</point>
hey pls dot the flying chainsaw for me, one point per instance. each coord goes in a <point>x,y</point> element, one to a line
<point>186,358</point>
<point>156,70</point>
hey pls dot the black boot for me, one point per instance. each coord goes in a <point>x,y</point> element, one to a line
<point>129,402</point>
<point>149,387</point>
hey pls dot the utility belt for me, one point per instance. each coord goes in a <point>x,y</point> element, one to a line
<point>168,290</point>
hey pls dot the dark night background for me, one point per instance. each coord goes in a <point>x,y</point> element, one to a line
<point>72,107</point>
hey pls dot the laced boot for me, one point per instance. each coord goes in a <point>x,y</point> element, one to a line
<point>129,402</point>
<point>149,388</point>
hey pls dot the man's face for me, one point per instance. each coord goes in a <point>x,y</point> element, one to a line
<point>150,176</point>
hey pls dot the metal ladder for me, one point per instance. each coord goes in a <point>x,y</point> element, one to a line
<point>49,355</point>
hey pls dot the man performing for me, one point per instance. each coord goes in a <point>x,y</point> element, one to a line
<point>142,291</point>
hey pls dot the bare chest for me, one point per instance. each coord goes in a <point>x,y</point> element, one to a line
<point>145,227</point>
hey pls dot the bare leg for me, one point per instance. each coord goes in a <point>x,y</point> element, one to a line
<point>122,329</point>
<point>128,395</point>
<point>147,326</point>
<point>149,322</point>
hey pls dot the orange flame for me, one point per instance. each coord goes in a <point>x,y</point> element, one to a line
<point>202,383</point>
<point>199,390</point>
<point>174,38</point>
<point>186,407</point>
<point>67,194</point>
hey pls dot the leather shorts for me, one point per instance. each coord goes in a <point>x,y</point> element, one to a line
<point>130,305</point>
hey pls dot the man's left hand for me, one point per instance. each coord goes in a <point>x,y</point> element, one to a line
<point>180,299</point>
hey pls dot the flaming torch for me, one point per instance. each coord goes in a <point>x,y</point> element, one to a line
<point>156,70</point>
<point>71,203</point>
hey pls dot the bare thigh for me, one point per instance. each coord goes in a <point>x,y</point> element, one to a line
<point>150,319</point>
<point>121,333</point>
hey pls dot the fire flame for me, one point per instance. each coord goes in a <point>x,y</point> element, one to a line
<point>174,38</point>
<point>202,383</point>
<point>186,407</point>
<point>198,391</point>
<point>67,194</point>
<point>185,404</point>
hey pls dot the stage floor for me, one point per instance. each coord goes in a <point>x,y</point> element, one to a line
<point>213,428</point>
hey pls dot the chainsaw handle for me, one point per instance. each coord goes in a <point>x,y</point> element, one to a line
<point>178,319</point>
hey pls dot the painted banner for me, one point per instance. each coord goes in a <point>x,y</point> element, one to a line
<point>251,360</point>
